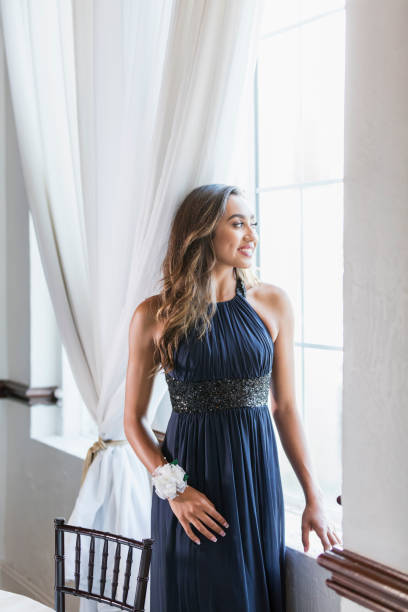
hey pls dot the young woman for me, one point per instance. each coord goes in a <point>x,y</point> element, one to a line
<point>216,331</point>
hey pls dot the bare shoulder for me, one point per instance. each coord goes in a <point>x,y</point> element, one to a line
<point>272,304</point>
<point>143,323</point>
<point>277,297</point>
<point>269,294</point>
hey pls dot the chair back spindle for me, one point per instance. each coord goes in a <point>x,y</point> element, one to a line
<point>104,566</point>
<point>127,574</point>
<point>91,560</point>
<point>77,572</point>
<point>115,580</point>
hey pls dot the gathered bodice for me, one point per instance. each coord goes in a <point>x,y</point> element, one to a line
<point>238,345</point>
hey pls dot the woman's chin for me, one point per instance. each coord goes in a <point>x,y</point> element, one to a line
<point>244,262</point>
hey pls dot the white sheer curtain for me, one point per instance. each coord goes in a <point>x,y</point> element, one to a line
<point>121,108</point>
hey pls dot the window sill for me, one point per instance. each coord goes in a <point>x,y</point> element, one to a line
<point>72,445</point>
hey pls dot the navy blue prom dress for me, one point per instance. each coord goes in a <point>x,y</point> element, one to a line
<point>220,431</point>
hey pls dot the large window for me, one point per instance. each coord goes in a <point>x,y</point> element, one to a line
<point>299,96</point>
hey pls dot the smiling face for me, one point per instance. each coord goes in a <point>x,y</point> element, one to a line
<point>235,235</point>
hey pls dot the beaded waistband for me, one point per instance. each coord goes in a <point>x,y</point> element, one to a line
<point>219,394</point>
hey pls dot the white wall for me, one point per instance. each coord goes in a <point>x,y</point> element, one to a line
<point>3,297</point>
<point>41,484</point>
<point>375,427</point>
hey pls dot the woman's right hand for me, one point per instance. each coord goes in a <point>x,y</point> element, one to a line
<point>194,507</point>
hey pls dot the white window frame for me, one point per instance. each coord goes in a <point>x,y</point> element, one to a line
<point>294,506</point>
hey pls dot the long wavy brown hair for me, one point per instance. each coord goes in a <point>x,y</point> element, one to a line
<point>186,269</point>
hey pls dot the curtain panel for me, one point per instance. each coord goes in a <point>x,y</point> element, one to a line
<point>121,108</point>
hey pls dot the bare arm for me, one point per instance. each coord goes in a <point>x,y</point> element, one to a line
<point>191,506</point>
<point>139,386</point>
<point>285,412</point>
<point>290,427</point>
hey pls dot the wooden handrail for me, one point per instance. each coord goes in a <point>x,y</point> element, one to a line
<point>367,582</point>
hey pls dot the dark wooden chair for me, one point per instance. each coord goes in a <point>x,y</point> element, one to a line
<point>143,571</point>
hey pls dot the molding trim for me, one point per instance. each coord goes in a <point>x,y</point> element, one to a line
<point>13,390</point>
<point>28,588</point>
<point>40,395</point>
<point>367,582</point>
<point>24,393</point>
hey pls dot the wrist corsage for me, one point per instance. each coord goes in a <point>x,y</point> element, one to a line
<point>169,480</point>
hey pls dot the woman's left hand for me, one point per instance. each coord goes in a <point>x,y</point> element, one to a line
<point>314,517</point>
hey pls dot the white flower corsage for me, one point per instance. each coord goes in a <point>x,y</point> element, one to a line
<point>169,480</point>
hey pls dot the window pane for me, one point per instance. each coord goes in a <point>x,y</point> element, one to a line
<point>279,244</point>
<point>323,399</point>
<point>279,110</point>
<point>312,8</point>
<point>286,13</point>
<point>323,264</point>
<point>279,14</point>
<point>300,103</point>
<point>322,98</point>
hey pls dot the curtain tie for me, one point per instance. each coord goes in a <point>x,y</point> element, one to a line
<point>95,448</point>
